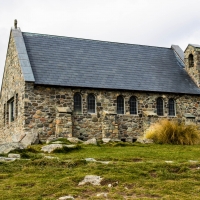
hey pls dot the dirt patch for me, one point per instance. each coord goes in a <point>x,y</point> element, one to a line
<point>137,160</point>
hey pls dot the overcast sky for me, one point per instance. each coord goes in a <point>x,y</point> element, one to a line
<point>147,22</point>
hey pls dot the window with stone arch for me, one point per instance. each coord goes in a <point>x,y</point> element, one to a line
<point>133,105</point>
<point>191,60</point>
<point>77,103</point>
<point>91,103</point>
<point>160,106</point>
<point>120,104</point>
<point>172,108</point>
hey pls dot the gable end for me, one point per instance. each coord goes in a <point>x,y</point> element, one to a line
<point>23,56</point>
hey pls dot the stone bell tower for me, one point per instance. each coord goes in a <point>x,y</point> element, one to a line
<point>192,62</point>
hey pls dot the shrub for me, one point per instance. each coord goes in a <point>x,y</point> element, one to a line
<point>173,132</point>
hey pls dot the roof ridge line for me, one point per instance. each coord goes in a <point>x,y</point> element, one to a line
<point>97,40</point>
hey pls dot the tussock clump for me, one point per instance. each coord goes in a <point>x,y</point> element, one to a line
<point>173,132</point>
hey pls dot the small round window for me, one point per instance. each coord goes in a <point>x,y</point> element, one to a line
<point>191,60</point>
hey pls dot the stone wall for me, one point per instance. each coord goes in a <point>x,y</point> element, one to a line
<point>36,107</point>
<point>12,87</point>
<point>41,103</point>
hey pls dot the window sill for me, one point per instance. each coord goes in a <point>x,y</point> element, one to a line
<point>131,115</point>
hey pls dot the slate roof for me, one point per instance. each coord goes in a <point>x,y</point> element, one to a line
<point>66,61</point>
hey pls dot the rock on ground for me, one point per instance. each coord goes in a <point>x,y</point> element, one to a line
<point>12,155</point>
<point>90,160</point>
<point>102,195</point>
<point>93,179</point>
<point>106,140</point>
<point>29,139</point>
<point>93,160</point>
<point>6,148</point>
<point>74,140</point>
<point>91,141</point>
<point>66,198</point>
<point>51,147</point>
<point>70,145</point>
<point>144,141</point>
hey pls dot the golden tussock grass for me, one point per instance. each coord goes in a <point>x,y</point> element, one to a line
<point>173,132</point>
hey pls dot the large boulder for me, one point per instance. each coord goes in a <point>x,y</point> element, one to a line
<point>7,147</point>
<point>74,140</point>
<point>91,141</point>
<point>51,147</point>
<point>30,138</point>
<point>26,138</point>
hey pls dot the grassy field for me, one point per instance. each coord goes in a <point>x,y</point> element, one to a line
<point>139,169</point>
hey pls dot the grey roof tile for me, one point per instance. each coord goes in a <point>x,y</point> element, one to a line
<point>65,61</point>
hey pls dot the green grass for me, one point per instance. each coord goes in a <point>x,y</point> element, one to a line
<point>140,169</point>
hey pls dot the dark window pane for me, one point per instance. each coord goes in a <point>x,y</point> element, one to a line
<point>4,114</point>
<point>12,111</point>
<point>133,105</point>
<point>120,105</point>
<point>77,103</point>
<point>159,106</point>
<point>191,60</point>
<point>91,103</point>
<point>171,107</point>
<point>16,105</point>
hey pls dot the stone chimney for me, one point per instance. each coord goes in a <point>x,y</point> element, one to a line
<point>15,24</point>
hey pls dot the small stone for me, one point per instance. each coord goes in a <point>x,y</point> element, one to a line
<point>50,157</point>
<point>70,146</point>
<point>102,195</point>
<point>193,161</point>
<point>95,119</point>
<point>91,141</point>
<point>115,131</point>
<point>74,140</point>
<point>51,147</point>
<point>36,116</point>
<point>82,130</point>
<point>12,155</point>
<point>104,162</point>
<point>66,198</point>
<point>106,140</point>
<point>93,179</point>
<point>38,112</point>
<point>57,142</point>
<point>129,129</point>
<point>58,121</point>
<point>169,161</point>
<point>90,159</point>
<point>40,125</point>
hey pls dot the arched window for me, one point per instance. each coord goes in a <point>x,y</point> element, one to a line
<point>77,103</point>
<point>133,105</point>
<point>120,105</point>
<point>191,60</point>
<point>171,107</point>
<point>91,103</point>
<point>160,106</point>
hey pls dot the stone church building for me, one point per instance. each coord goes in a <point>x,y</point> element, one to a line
<point>64,86</point>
